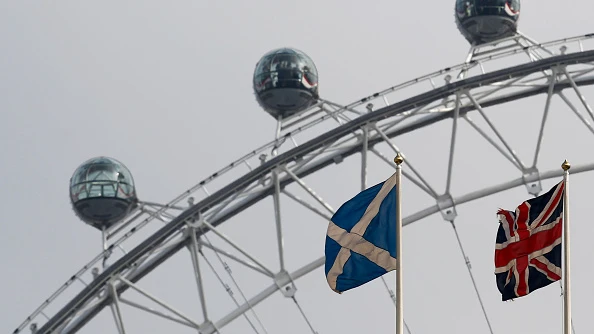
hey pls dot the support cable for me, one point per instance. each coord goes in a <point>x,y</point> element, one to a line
<point>393,297</point>
<point>469,267</point>
<point>229,290</point>
<point>304,316</point>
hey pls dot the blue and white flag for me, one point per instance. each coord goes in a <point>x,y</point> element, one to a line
<point>361,238</point>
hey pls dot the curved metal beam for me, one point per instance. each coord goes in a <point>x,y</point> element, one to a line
<point>306,269</point>
<point>406,221</point>
<point>423,99</point>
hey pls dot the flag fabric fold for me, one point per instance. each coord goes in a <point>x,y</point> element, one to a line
<point>361,238</point>
<point>528,245</point>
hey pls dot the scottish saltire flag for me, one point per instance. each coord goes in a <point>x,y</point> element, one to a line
<point>361,238</point>
<point>528,246</point>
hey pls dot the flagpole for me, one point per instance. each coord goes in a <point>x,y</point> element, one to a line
<point>399,312</point>
<point>567,290</point>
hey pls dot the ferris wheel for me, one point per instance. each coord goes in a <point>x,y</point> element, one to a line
<point>212,234</point>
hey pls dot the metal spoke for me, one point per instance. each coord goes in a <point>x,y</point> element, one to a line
<point>277,219</point>
<point>309,190</point>
<point>408,176</point>
<point>307,205</point>
<point>230,292</point>
<point>234,245</point>
<point>453,142</point>
<point>115,308</point>
<point>544,116</point>
<point>482,112</point>
<point>578,93</point>
<point>116,319</point>
<point>491,141</point>
<point>218,250</point>
<point>397,151</point>
<point>156,300</point>
<point>578,114</point>
<point>155,312</point>
<point>194,248</point>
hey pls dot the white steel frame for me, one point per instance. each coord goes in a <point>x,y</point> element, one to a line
<point>354,128</point>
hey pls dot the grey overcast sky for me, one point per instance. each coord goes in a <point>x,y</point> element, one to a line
<point>165,87</point>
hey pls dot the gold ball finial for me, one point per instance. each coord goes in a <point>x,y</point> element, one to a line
<point>566,165</point>
<point>399,159</point>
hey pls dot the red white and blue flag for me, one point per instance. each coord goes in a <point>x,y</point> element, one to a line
<point>528,245</point>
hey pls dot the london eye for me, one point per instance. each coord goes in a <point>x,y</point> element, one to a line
<point>207,212</point>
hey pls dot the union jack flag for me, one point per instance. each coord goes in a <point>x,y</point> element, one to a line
<point>528,245</point>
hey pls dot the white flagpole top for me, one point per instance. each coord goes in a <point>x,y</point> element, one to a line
<point>565,165</point>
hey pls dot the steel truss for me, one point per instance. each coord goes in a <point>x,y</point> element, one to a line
<point>330,133</point>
